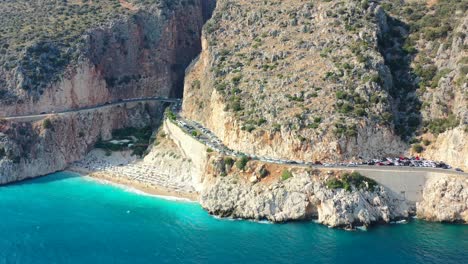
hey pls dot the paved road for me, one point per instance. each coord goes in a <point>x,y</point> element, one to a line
<point>108,104</point>
<point>208,138</point>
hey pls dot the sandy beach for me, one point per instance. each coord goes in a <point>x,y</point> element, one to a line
<point>150,189</point>
<point>123,169</point>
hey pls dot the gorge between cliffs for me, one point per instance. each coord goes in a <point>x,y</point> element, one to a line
<point>262,110</point>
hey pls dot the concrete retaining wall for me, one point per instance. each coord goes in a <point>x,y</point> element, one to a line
<point>192,149</point>
<point>407,184</point>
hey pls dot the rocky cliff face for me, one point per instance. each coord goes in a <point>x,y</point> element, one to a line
<point>33,148</point>
<point>426,52</point>
<point>298,81</point>
<point>129,49</point>
<point>328,80</point>
<point>446,104</point>
<point>143,52</point>
<point>451,147</point>
<point>445,200</point>
<point>304,196</point>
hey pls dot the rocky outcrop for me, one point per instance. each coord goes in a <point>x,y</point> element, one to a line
<point>302,197</point>
<point>451,147</point>
<point>39,147</point>
<point>445,199</point>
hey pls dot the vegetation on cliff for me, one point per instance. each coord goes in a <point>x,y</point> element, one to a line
<point>355,179</point>
<point>130,138</point>
<point>39,39</point>
<point>349,72</point>
<point>426,52</point>
<point>270,52</point>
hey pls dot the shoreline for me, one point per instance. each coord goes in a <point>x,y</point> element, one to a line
<point>146,189</point>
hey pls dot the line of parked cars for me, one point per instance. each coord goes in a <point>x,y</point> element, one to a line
<point>405,161</point>
<point>401,161</point>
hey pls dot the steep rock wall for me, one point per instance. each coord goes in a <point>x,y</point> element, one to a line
<point>451,147</point>
<point>206,102</point>
<point>30,149</point>
<point>142,55</point>
<point>445,199</point>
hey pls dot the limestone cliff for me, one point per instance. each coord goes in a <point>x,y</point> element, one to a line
<point>303,196</point>
<point>295,80</point>
<point>330,80</point>
<point>39,147</point>
<point>141,52</point>
<point>101,51</point>
<point>259,191</point>
<point>445,200</point>
<point>451,147</point>
<point>426,52</point>
<point>447,103</point>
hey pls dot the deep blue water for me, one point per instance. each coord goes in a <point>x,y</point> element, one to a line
<point>64,218</point>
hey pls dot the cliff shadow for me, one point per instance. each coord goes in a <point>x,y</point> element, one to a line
<point>180,68</point>
<point>44,179</point>
<point>399,53</point>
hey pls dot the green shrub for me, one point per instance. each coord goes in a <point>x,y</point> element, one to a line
<point>196,84</point>
<point>286,174</point>
<point>170,115</point>
<point>334,183</point>
<point>228,161</point>
<point>426,142</point>
<point>242,162</point>
<point>139,150</point>
<point>387,117</point>
<point>360,112</point>
<point>352,179</point>
<point>359,181</point>
<point>346,108</point>
<point>440,125</point>
<point>418,148</point>
<point>341,95</point>
<point>440,74</point>
<point>426,73</point>
<point>263,172</point>
<point>47,124</point>
<point>313,126</point>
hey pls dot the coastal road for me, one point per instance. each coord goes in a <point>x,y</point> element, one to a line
<point>205,136</point>
<point>88,108</point>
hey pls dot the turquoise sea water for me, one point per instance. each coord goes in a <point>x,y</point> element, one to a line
<point>64,218</point>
